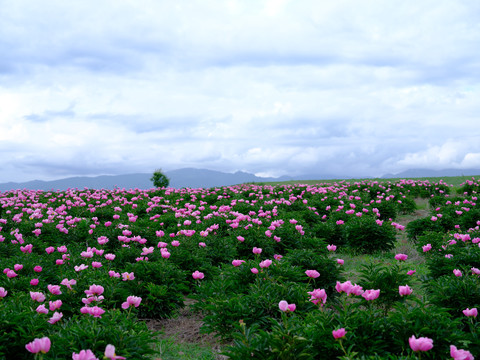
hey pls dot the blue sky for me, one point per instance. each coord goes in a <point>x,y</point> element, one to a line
<point>271,87</point>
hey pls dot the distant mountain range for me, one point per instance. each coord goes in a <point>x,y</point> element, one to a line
<point>202,178</point>
<point>187,177</point>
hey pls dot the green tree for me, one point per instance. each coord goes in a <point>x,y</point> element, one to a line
<point>159,179</point>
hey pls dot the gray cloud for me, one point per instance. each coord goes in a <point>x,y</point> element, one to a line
<point>270,86</point>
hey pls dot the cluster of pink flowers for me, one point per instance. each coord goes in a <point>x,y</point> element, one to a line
<point>349,288</point>
<point>43,346</point>
<point>318,296</point>
<point>286,307</point>
<point>187,214</point>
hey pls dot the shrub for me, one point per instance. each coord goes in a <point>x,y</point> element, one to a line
<point>366,236</point>
<point>407,205</point>
<point>424,320</point>
<point>455,293</point>
<point>161,289</point>
<point>387,279</point>
<point>460,256</point>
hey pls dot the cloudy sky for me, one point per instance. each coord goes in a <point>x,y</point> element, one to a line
<point>271,87</point>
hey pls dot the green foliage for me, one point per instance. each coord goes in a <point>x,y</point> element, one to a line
<point>422,226</point>
<point>161,291</point>
<point>237,294</point>
<point>159,179</point>
<point>388,209</point>
<point>387,279</point>
<point>364,235</point>
<point>407,205</point>
<point>131,338</point>
<point>455,293</point>
<point>330,271</point>
<point>469,187</point>
<point>18,326</point>
<point>331,232</point>
<point>461,256</point>
<point>423,320</point>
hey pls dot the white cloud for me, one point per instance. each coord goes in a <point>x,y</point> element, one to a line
<point>463,153</point>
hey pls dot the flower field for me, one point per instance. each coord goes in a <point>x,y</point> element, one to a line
<point>82,268</point>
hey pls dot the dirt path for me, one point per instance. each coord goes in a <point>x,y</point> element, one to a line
<point>185,329</point>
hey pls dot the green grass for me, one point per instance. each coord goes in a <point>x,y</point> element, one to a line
<point>170,349</point>
<point>451,180</point>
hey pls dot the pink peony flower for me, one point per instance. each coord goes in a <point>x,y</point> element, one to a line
<point>37,296</point>
<point>331,247</point>
<point>475,271</point>
<point>357,290</point>
<point>112,273</point>
<point>427,247</point>
<point>131,300</point>
<point>285,306</point>
<point>56,317</point>
<point>110,353</point>
<point>473,312</point>
<point>257,250</point>
<point>340,333</point>
<point>11,274</point>
<point>237,262</point>
<point>312,274</point>
<point>54,289</point>
<point>54,305</point>
<point>371,294</point>
<point>265,263</point>
<point>420,344</point>
<point>84,355</point>
<point>198,275</point>
<point>460,354</point>
<point>318,295</point>
<point>401,257</point>
<point>344,287</point>
<point>39,345</point>
<point>404,290</point>
<point>80,267</point>
<point>96,311</point>
<point>128,276</point>
<point>41,309</point>
<point>94,290</point>
<point>457,272</point>
<point>68,283</point>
